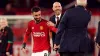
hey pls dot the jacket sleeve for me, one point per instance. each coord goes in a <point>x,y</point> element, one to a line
<point>98,34</point>
<point>50,19</point>
<point>61,28</point>
<point>10,39</point>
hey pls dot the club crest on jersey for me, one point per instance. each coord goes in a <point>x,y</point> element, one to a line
<point>41,27</point>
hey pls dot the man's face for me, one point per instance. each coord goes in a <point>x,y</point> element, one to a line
<point>37,15</point>
<point>3,22</point>
<point>57,8</point>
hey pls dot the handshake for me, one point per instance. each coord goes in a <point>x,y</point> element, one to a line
<point>56,47</point>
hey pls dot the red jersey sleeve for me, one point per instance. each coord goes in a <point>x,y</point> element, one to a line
<point>27,33</point>
<point>52,28</point>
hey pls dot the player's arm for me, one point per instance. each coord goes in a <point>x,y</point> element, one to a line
<point>51,26</point>
<point>10,40</point>
<point>26,35</point>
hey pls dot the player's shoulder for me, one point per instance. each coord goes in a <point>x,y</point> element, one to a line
<point>31,21</point>
<point>44,20</point>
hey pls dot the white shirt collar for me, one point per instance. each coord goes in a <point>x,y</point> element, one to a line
<point>59,16</point>
<point>56,18</point>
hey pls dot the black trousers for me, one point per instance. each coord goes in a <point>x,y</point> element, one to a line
<point>71,54</point>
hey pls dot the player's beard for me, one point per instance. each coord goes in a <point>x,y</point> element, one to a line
<point>38,20</point>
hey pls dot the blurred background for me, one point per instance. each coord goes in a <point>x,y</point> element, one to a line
<point>18,13</point>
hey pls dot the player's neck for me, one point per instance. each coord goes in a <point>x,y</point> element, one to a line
<point>38,21</point>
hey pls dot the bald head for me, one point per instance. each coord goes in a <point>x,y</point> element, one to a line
<point>81,2</point>
<point>57,8</point>
<point>56,3</point>
<point>3,22</point>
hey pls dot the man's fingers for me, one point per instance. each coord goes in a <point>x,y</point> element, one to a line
<point>7,53</point>
<point>97,45</point>
<point>56,48</point>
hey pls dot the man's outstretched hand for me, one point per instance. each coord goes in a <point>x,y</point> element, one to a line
<point>56,47</point>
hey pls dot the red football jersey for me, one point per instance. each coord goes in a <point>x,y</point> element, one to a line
<point>40,35</point>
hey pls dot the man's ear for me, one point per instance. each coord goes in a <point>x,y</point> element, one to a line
<point>52,8</point>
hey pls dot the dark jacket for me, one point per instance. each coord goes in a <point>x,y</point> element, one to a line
<point>52,19</point>
<point>72,33</point>
<point>98,34</point>
<point>6,35</point>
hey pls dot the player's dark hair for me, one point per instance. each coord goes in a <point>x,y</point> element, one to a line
<point>35,9</point>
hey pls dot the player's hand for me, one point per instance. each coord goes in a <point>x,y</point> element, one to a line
<point>24,47</point>
<point>49,23</point>
<point>56,47</point>
<point>7,53</point>
<point>24,50</point>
